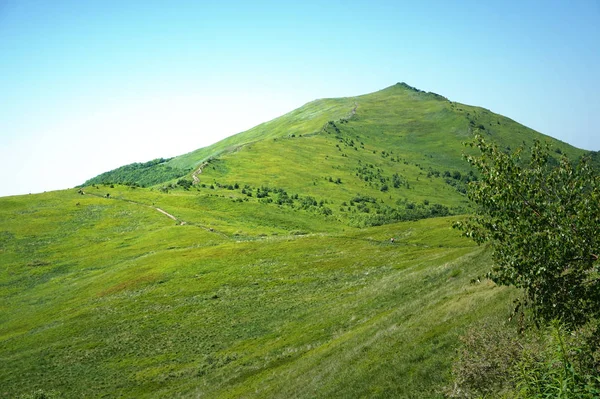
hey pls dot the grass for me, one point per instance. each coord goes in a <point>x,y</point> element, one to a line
<point>363,141</point>
<point>256,294</point>
<point>398,146</point>
<point>112,298</point>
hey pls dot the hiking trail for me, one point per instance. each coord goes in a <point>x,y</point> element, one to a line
<point>167,214</point>
<point>195,178</point>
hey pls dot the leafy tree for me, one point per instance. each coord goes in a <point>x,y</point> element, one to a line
<point>543,222</point>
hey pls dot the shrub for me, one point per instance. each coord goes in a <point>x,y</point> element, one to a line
<point>543,222</point>
<point>483,367</point>
<point>560,366</point>
<point>186,184</point>
<point>496,361</point>
<point>362,198</point>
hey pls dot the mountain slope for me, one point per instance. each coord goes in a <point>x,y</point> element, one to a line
<point>246,276</point>
<point>399,115</point>
<point>383,157</point>
<point>307,119</point>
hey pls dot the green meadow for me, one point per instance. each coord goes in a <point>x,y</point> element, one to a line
<point>261,266</point>
<point>112,298</point>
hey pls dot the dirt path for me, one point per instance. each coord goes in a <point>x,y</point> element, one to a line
<point>167,214</point>
<point>342,119</point>
<point>195,178</point>
<point>352,112</point>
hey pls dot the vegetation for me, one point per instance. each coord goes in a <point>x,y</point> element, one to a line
<point>311,256</point>
<point>111,297</point>
<point>543,222</point>
<point>496,361</point>
<point>140,174</point>
<point>399,137</point>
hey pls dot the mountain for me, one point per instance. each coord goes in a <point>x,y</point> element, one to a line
<point>389,150</point>
<point>261,266</point>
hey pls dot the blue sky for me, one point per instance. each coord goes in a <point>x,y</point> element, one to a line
<point>87,86</point>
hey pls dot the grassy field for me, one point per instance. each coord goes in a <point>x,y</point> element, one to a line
<point>272,275</point>
<point>112,298</point>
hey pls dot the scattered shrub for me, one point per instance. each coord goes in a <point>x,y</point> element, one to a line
<point>186,184</point>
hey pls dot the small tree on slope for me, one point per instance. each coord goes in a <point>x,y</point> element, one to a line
<point>542,219</point>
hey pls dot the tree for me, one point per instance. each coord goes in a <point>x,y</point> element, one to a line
<point>542,220</point>
<point>186,184</point>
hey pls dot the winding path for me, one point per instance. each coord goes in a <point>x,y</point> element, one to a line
<point>195,178</point>
<point>167,214</point>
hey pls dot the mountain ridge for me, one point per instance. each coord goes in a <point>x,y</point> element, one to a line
<point>394,154</point>
<point>317,113</point>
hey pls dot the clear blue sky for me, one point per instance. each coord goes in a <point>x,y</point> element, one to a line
<point>87,86</point>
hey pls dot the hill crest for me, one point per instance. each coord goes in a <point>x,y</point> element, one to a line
<point>394,154</point>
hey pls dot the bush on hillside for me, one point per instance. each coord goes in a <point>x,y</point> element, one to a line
<point>483,367</point>
<point>543,223</point>
<point>542,219</point>
<point>186,184</point>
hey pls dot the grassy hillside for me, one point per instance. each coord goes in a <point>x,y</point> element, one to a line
<point>379,158</point>
<point>308,119</point>
<point>113,298</point>
<point>426,128</point>
<point>260,266</point>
